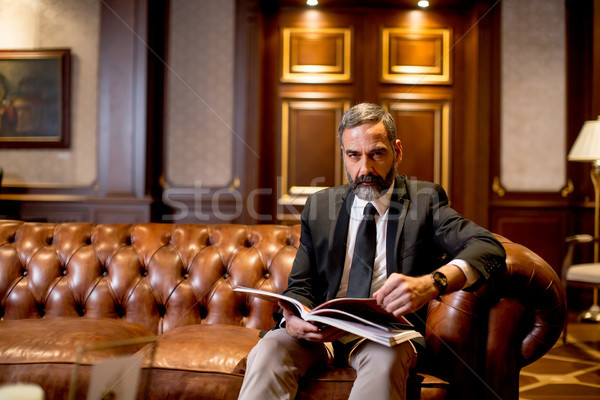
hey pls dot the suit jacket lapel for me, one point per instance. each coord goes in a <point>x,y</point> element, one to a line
<point>338,242</point>
<point>396,218</point>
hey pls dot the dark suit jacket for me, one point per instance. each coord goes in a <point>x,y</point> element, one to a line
<point>423,233</point>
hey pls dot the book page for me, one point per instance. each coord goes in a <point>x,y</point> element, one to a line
<point>275,297</point>
<point>363,310</point>
<point>375,321</point>
<point>383,337</point>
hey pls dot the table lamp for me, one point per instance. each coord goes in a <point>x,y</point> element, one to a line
<point>587,148</point>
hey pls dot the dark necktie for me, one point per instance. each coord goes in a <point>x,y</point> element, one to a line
<point>361,270</point>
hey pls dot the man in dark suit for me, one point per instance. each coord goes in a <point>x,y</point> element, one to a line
<point>413,248</point>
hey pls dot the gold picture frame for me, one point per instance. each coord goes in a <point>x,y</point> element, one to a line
<point>34,98</point>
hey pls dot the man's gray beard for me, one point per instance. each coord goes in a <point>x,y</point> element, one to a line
<point>369,192</point>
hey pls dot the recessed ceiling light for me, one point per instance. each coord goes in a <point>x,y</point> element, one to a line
<point>312,2</point>
<point>423,3</point>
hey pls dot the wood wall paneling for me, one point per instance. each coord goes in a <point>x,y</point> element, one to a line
<point>310,149</point>
<point>205,206</point>
<point>423,127</point>
<point>158,17</point>
<point>85,210</point>
<point>480,101</point>
<point>122,145</point>
<point>55,212</point>
<point>247,101</point>
<point>539,229</point>
<point>415,81</point>
<point>420,137</point>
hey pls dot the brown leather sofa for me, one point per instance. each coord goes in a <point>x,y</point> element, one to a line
<point>68,285</point>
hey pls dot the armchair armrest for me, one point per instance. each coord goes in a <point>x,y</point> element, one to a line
<point>535,284</point>
<point>479,341</point>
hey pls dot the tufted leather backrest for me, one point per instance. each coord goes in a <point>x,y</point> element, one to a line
<point>157,275</point>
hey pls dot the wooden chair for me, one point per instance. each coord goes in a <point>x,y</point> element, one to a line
<point>582,275</point>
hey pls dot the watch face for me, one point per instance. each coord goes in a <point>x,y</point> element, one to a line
<point>440,281</point>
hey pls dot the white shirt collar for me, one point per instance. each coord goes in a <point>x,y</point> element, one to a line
<point>381,204</point>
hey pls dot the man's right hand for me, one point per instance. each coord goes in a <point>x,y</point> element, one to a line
<point>300,329</point>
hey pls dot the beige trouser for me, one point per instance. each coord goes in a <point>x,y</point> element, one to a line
<point>278,360</point>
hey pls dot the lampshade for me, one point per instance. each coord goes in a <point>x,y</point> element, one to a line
<point>587,144</point>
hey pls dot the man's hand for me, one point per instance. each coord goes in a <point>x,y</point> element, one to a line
<point>300,329</point>
<point>402,294</point>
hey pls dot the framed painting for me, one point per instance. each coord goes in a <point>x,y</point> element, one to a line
<point>34,98</point>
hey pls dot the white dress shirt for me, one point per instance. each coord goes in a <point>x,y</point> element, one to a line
<point>382,204</point>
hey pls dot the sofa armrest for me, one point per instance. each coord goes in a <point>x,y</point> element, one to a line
<point>536,286</point>
<point>481,340</point>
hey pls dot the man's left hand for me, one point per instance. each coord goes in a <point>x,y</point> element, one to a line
<point>402,294</point>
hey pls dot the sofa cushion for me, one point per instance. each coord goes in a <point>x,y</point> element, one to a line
<point>55,340</point>
<point>212,359</point>
<point>44,350</point>
<point>204,348</point>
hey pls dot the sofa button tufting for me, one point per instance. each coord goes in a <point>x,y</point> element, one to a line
<point>267,275</point>
<point>24,273</point>
<point>80,310</point>
<point>63,272</point>
<point>162,310</point>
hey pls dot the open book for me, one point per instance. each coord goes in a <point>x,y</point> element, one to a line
<point>362,317</point>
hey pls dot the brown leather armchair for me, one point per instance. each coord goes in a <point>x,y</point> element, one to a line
<point>63,286</point>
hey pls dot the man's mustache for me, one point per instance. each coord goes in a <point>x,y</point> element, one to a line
<point>369,178</point>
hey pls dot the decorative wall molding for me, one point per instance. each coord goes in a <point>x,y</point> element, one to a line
<point>316,55</point>
<point>416,55</point>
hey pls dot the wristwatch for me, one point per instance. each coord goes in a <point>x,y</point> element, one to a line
<point>440,281</point>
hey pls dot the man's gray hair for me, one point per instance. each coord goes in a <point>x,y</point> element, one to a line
<point>364,113</point>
